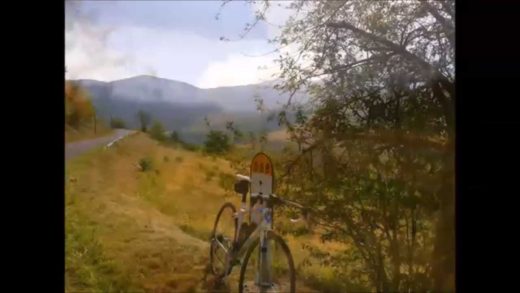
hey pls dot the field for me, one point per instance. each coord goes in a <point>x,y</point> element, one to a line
<point>134,231</point>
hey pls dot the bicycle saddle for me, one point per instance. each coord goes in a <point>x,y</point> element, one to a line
<point>242,184</point>
<point>240,177</point>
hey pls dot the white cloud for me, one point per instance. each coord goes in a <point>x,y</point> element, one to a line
<point>237,70</point>
<point>95,51</point>
<point>240,69</point>
<point>129,51</point>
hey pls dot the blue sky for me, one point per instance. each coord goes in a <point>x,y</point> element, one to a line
<point>109,40</point>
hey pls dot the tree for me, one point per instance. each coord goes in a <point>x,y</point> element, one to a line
<point>252,139</point>
<point>377,152</point>
<point>157,131</point>
<point>237,134</point>
<point>78,105</point>
<point>217,142</point>
<point>174,136</point>
<point>144,119</point>
<point>117,123</point>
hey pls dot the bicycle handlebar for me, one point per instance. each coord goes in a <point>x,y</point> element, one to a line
<point>287,202</point>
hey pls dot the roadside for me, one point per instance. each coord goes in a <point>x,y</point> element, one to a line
<point>74,149</point>
<point>86,131</point>
<point>134,231</point>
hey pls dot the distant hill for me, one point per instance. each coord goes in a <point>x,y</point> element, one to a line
<point>182,107</point>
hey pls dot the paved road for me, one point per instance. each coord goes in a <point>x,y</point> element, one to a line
<point>77,148</point>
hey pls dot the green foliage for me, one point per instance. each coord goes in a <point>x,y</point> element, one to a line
<point>117,123</point>
<point>217,142</point>
<point>144,120</point>
<point>157,131</point>
<point>376,154</point>
<point>237,134</point>
<point>174,137</point>
<point>87,267</point>
<point>226,181</point>
<point>146,164</point>
<point>190,147</point>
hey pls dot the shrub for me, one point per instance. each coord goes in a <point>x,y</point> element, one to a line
<point>217,142</point>
<point>226,181</point>
<point>157,131</point>
<point>117,123</point>
<point>146,164</point>
<point>190,147</point>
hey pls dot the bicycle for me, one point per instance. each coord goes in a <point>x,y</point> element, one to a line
<point>243,239</point>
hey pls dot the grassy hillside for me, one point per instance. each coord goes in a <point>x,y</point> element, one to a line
<point>134,231</point>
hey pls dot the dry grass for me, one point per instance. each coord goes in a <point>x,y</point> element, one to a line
<point>149,230</point>
<point>278,135</point>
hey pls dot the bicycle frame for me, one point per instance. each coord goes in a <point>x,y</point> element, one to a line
<point>264,273</point>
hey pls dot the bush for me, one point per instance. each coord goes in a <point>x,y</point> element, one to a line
<point>117,123</point>
<point>146,164</point>
<point>157,131</point>
<point>174,137</point>
<point>190,147</point>
<point>144,119</point>
<point>217,142</point>
<point>226,181</point>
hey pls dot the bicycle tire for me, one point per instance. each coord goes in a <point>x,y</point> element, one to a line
<point>226,205</point>
<point>270,236</point>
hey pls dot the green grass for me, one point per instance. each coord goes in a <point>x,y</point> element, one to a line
<point>87,268</point>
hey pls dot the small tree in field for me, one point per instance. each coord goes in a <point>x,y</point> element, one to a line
<point>217,142</point>
<point>144,119</point>
<point>157,131</point>
<point>174,137</point>
<point>117,123</point>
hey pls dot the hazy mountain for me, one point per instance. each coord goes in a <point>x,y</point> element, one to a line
<point>182,107</point>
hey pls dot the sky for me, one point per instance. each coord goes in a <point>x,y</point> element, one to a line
<point>180,40</point>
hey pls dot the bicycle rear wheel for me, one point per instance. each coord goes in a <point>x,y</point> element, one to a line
<point>222,237</point>
<point>277,276</point>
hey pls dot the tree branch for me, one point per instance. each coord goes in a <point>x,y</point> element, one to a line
<point>447,8</point>
<point>295,161</point>
<point>353,64</point>
<point>394,47</point>
<point>433,11</point>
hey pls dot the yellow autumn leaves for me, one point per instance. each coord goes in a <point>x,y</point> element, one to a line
<point>78,106</point>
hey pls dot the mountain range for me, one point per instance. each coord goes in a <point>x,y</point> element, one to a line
<point>182,107</point>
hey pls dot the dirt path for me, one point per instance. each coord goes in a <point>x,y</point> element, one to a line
<point>77,148</point>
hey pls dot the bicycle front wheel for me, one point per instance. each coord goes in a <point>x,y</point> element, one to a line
<point>268,268</point>
<point>222,238</point>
